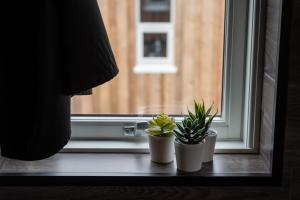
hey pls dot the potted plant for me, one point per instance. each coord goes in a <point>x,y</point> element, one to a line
<point>190,138</point>
<point>210,143</point>
<point>161,138</point>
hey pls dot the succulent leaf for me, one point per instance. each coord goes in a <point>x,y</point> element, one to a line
<point>195,126</point>
<point>162,125</point>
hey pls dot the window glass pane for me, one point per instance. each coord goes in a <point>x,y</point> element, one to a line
<point>155,45</point>
<point>155,10</point>
<point>198,55</point>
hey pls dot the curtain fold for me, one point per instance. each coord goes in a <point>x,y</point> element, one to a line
<point>51,50</point>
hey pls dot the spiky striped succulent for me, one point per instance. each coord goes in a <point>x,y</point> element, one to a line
<point>162,125</point>
<point>195,126</point>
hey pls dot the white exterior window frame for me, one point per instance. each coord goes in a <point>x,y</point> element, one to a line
<point>155,65</point>
<point>238,126</point>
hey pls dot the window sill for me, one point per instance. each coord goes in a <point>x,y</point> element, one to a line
<point>119,146</point>
<point>131,169</point>
<point>87,168</point>
<point>155,69</point>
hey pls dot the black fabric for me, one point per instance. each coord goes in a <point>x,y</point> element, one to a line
<point>50,50</point>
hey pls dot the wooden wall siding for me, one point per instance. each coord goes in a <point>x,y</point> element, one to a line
<point>198,56</point>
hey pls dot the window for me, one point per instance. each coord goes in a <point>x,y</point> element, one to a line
<point>155,45</point>
<point>213,45</point>
<point>155,21</point>
<point>155,10</point>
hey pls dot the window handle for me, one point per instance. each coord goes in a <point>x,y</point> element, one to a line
<point>129,130</point>
<point>135,130</point>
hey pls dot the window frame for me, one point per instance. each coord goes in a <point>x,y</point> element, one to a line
<point>243,138</point>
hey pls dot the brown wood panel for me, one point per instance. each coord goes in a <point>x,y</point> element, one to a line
<point>199,32</point>
<point>102,96</point>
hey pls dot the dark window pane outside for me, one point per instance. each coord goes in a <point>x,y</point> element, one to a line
<point>155,45</point>
<point>155,10</point>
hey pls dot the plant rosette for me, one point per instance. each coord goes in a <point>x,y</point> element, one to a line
<point>161,138</point>
<point>190,140</point>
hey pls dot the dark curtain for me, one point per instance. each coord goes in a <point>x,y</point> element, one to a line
<point>50,51</point>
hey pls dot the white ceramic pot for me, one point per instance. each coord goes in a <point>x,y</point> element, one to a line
<point>209,146</point>
<point>161,149</point>
<point>189,156</point>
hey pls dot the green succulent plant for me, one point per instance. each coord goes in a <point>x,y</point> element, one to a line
<point>162,125</point>
<point>195,126</point>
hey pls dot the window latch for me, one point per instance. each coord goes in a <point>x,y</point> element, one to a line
<point>135,130</point>
<point>129,130</point>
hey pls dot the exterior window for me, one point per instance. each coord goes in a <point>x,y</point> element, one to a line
<point>155,23</point>
<point>155,45</point>
<point>170,53</point>
<point>155,10</point>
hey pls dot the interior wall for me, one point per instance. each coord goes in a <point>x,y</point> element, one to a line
<point>272,40</point>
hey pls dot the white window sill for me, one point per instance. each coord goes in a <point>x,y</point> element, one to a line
<point>113,146</point>
<point>155,69</point>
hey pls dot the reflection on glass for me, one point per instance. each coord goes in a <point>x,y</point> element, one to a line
<point>155,10</point>
<point>155,45</point>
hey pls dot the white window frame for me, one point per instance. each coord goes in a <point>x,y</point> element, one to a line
<point>238,127</point>
<point>155,65</point>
